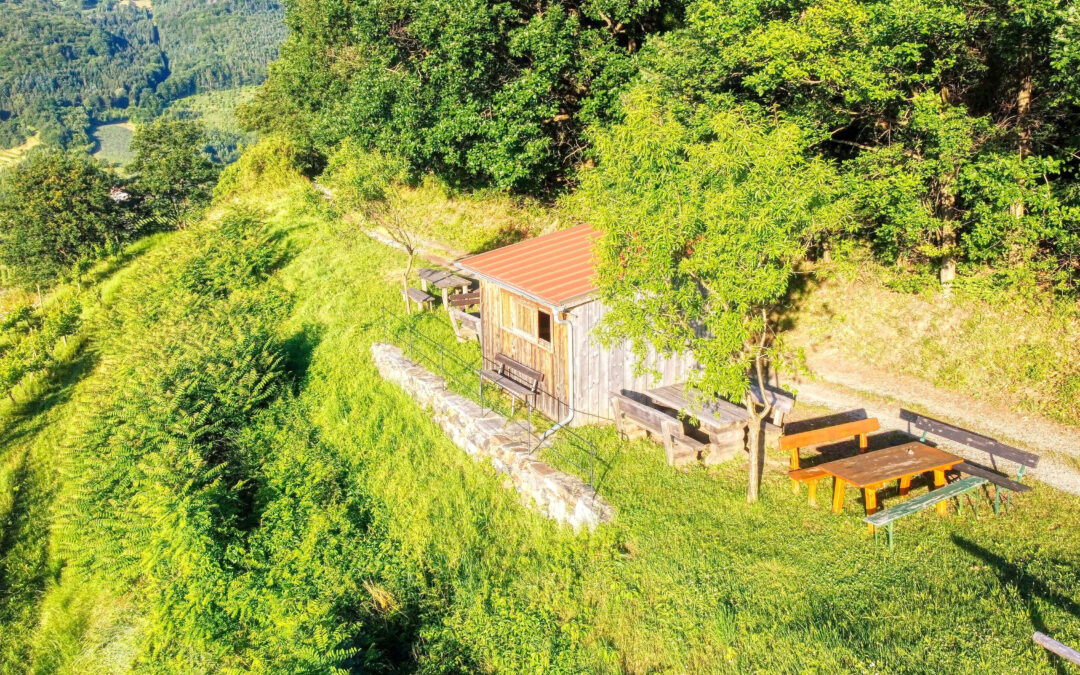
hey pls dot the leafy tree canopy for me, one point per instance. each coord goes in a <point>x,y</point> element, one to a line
<point>55,209</point>
<point>704,220</point>
<point>171,165</point>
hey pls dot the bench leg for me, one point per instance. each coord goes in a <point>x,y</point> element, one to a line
<point>812,486</point>
<point>888,534</point>
<point>905,485</point>
<point>862,443</point>
<point>794,459</point>
<point>838,495</point>
<point>939,481</point>
<point>997,500</point>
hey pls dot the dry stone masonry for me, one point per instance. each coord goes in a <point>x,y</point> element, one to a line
<point>487,435</point>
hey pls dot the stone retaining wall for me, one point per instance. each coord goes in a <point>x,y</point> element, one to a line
<point>487,435</point>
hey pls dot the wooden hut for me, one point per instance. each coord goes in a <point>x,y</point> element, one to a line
<point>538,308</point>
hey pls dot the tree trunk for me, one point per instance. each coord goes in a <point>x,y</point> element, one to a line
<point>405,283</point>
<point>755,438</point>
<point>1023,105</point>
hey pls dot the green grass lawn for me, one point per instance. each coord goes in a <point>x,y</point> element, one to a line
<point>688,578</point>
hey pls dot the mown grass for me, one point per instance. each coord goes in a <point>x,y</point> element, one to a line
<point>688,578</point>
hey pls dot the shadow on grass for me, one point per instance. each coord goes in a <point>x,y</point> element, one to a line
<point>1015,575</point>
<point>299,349</point>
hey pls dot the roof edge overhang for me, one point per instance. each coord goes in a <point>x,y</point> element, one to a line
<point>560,306</point>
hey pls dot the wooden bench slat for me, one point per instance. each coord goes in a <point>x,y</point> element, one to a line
<point>778,398</point>
<point>507,383</point>
<point>419,296</point>
<point>954,489</point>
<point>970,439</point>
<point>809,473</point>
<point>465,299</point>
<point>827,434</point>
<point>992,477</point>
<point>644,415</point>
<point>518,368</point>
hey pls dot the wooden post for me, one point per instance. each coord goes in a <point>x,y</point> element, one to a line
<point>838,495</point>
<point>1051,645</point>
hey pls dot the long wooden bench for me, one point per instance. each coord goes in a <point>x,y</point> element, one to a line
<point>515,378</point>
<point>887,517</point>
<point>996,450</point>
<point>636,419</point>
<point>830,434</point>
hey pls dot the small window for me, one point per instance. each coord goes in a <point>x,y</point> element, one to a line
<point>543,326</point>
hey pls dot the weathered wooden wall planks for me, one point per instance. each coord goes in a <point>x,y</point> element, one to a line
<point>600,370</point>
<point>597,370</point>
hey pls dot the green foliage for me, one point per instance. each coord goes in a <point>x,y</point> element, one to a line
<point>171,168</point>
<point>55,208</point>
<point>704,222</point>
<point>62,65</point>
<point>32,348</point>
<point>480,91</point>
<point>274,162</point>
<point>359,176</point>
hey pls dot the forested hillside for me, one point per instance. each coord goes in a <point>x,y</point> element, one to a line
<point>952,126</point>
<point>62,65</point>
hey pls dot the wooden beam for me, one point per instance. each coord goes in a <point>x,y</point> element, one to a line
<point>1050,644</point>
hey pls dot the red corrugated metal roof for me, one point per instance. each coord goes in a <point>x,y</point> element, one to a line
<point>555,268</point>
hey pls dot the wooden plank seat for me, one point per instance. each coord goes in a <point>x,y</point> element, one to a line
<point>888,516</point>
<point>782,402</point>
<point>810,476</point>
<point>418,296</point>
<point>515,378</point>
<point>461,300</point>
<point>635,419</point>
<point>836,432</point>
<point>995,450</point>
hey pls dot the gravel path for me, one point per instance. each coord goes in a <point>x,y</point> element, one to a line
<point>842,385</point>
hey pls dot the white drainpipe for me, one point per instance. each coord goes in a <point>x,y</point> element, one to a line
<point>570,358</point>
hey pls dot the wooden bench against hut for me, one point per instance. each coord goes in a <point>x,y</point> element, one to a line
<point>516,379</point>
<point>466,324</point>
<point>635,419</point>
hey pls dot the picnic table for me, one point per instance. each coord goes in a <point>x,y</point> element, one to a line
<point>872,470</point>
<point>441,279</point>
<point>723,421</point>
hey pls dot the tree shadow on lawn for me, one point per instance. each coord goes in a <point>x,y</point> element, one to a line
<point>1017,576</point>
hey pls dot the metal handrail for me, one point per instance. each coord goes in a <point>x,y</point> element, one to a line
<point>415,336</point>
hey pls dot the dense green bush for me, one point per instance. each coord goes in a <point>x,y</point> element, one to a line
<point>56,208</point>
<point>171,168</point>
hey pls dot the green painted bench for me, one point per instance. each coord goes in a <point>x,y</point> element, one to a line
<point>887,517</point>
<point>994,449</point>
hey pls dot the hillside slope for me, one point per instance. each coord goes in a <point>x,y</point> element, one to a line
<point>334,524</point>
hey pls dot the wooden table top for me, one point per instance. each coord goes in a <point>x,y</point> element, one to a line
<point>443,279</point>
<point>714,414</point>
<point>879,466</point>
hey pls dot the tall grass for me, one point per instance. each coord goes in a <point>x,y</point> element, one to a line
<point>332,524</point>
